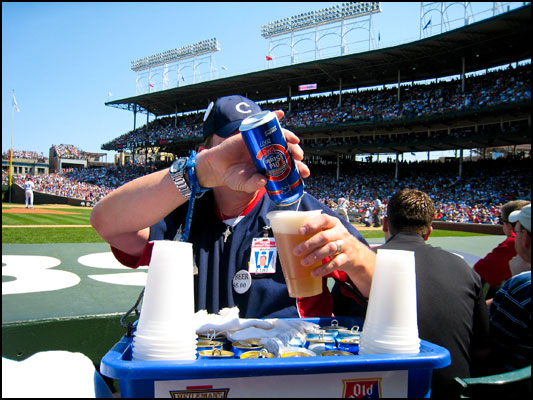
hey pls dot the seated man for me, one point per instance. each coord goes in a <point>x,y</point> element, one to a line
<point>510,311</point>
<point>450,304</point>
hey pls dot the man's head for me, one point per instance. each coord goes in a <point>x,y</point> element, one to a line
<point>224,116</point>
<point>522,221</point>
<point>506,211</point>
<point>410,210</point>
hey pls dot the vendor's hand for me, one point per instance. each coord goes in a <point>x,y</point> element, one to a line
<point>332,239</point>
<point>229,163</point>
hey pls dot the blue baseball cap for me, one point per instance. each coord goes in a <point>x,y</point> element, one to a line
<point>225,115</point>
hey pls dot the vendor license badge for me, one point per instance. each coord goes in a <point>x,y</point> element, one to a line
<point>263,256</point>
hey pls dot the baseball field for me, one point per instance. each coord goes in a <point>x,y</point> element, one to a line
<point>70,224</point>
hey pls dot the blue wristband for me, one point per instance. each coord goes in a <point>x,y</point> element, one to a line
<point>196,189</point>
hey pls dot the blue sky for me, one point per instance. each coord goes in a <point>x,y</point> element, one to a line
<point>63,60</point>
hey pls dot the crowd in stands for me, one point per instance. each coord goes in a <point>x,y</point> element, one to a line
<point>25,155</point>
<point>68,151</point>
<point>476,197</point>
<point>372,105</point>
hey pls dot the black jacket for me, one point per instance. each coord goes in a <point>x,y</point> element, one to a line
<point>451,308</point>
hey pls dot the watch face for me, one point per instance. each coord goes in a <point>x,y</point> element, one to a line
<point>178,165</point>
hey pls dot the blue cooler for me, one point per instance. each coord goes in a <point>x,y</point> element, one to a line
<point>384,375</point>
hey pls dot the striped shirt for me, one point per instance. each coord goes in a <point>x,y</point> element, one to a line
<point>510,322</point>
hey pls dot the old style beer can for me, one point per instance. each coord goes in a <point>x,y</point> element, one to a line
<point>245,345</point>
<point>269,150</point>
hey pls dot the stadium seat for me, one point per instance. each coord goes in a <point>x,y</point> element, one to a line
<point>509,385</point>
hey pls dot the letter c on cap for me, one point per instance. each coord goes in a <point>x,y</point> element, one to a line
<point>243,104</point>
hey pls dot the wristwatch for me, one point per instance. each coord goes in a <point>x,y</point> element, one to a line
<point>177,173</point>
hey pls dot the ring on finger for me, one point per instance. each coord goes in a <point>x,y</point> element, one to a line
<point>339,247</point>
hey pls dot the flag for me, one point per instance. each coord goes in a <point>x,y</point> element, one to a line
<point>15,105</point>
<point>150,85</point>
<point>379,36</point>
<point>429,22</point>
<point>223,67</point>
<point>268,58</point>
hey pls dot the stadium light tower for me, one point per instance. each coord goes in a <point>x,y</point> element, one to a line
<point>161,65</point>
<point>337,20</point>
<point>435,17</point>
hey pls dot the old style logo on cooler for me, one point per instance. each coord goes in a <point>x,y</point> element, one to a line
<point>361,388</point>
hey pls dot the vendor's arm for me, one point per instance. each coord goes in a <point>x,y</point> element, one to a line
<point>123,218</point>
<point>356,258</point>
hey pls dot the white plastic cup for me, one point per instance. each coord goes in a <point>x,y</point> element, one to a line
<point>285,225</point>
<point>169,292</point>
<point>373,348</point>
<point>168,304</point>
<point>391,324</point>
<point>140,356</point>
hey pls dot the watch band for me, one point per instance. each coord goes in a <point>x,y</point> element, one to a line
<point>177,173</point>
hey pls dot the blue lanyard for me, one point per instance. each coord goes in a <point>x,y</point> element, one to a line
<point>196,192</point>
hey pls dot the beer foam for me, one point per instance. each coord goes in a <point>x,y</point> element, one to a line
<point>288,221</point>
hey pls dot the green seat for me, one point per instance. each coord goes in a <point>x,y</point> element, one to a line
<point>509,385</point>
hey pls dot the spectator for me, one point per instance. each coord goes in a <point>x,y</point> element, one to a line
<point>510,311</point>
<point>494,267</point>
<point>449,293</point>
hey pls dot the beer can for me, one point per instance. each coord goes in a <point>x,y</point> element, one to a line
<point>209,345</point>
<point>269,151</point>
<point>349,344</point>
<point>336,353</point>
<point>257,354</point>
<point>354,332</point>
<point>317,346</point>
<point>334,328</point>
<point>215,354</point>
<point>297,352</point>
<point>243,346</point>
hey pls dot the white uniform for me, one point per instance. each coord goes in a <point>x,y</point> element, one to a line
<point>28,189</point>
<point>342,208</point>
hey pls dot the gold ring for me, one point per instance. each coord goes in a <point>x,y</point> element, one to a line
<point>339,246</point>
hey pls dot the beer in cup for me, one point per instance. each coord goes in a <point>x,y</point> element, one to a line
<point>285,225</point>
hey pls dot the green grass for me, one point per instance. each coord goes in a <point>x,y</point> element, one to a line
<point>50,235</point>
<point>89,235</point>
<point>436,233</point>
<point>48,219</point>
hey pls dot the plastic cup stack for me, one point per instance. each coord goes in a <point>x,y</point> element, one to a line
<point>391,324</point>
<point>164,330</point>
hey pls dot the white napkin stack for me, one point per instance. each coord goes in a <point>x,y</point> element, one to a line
<point>274,333</point>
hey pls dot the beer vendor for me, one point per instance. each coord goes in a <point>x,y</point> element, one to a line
<point>217,200</point>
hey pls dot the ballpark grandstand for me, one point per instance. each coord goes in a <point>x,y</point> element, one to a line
<point>361,117</point>
<point>465,89</point>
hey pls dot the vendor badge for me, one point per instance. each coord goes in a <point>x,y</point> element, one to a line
<point>263,256</point>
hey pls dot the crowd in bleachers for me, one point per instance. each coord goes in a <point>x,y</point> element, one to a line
<point>25,155</point>
<point>476,197</point>
<point>69,151</point>
<point>371,105</point>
